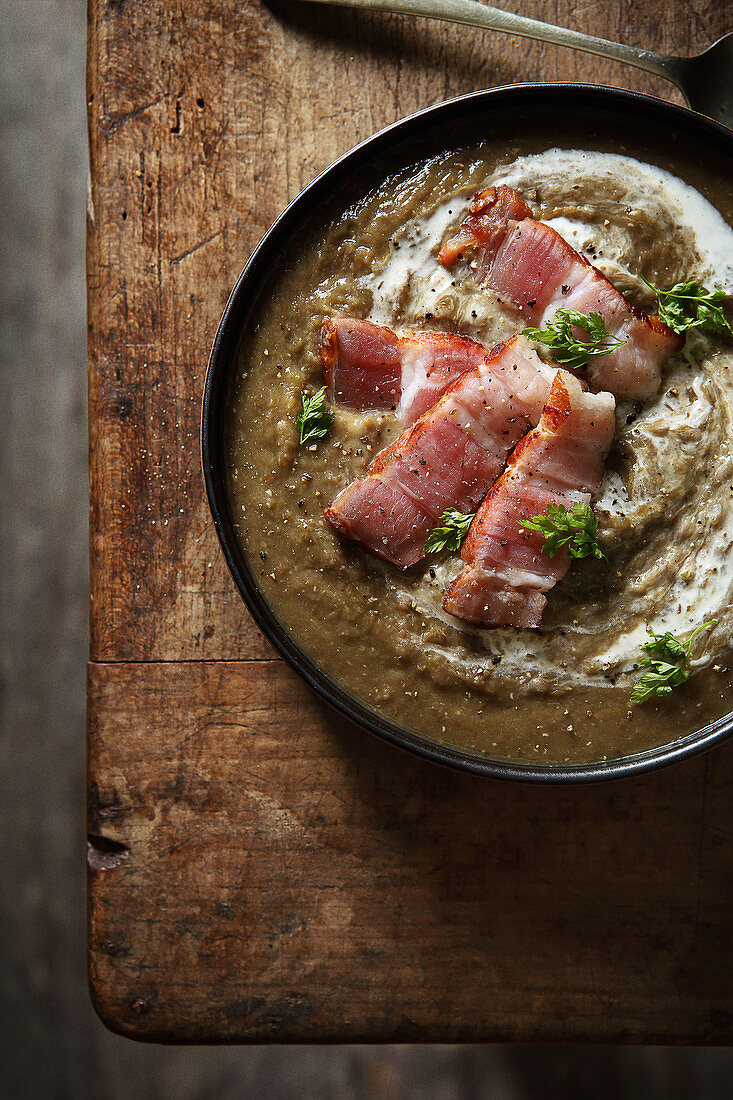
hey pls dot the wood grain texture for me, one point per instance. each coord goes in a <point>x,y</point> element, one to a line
<point>257,868</point>
<point>261,870</point>
<point>205,119</point>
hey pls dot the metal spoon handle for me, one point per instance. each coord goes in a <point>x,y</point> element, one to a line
<point>476,14</point>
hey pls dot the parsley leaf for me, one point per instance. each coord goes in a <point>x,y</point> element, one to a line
<point>667,664</point>
<point>451,534</point>
<point>315,419</point>
<point>569,349</point>
<point>691,305</point>
<point>574,530</point>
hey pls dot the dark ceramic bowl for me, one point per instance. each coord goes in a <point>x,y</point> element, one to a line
<point>484,109</point>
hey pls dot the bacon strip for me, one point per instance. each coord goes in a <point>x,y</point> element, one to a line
<point>559,462</point>
<point>361,364</point>
<point>530,265</point>
<point>448,458</point>
<point>368,366</point>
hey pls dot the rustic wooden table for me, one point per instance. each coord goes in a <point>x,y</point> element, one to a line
<point>258,868</point>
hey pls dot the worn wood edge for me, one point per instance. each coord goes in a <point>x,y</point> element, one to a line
<point>409,1032</point>
<point>404,1037</point>
<point>92,301</point>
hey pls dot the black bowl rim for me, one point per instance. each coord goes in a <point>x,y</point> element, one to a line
<point>225,345</point>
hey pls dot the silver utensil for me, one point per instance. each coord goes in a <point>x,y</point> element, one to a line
<point>706,81</point>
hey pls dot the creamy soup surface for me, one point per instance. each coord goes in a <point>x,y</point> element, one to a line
<point>561,693</point>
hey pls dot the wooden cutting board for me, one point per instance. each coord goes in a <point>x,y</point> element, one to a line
<point>259,869</point>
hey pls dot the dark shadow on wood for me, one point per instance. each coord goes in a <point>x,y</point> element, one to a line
<point>479,56</point>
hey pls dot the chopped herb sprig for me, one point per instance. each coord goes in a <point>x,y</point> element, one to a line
<point>315,420</point>
<point>574,531</point>
<point>567,347</point>
<point>451,532</point>
<point>691,305</point>
<point>666,664</point>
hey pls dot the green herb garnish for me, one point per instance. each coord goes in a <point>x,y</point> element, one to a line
<point>691,305</point>
<point>451,533</point>
<point>574,530</point>
<point>569,349</point>
<point>315,419</point>
<point>667,664</point>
